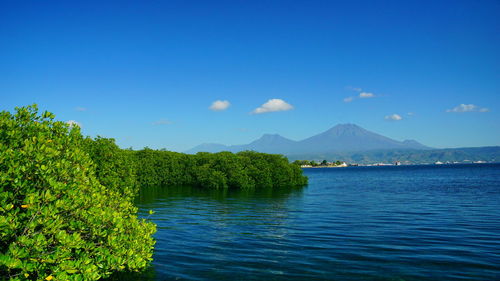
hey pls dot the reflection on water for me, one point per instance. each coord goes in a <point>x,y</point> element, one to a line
<point>211,220</point>
<point>150,194</point>
<point>360,223</point>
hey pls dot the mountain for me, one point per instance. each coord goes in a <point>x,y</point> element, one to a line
<point>341,138</point>
<point>350,137</point>
<point>268,143</point>
<point>208,147</point>
<point>353,144</point>
<point>415,144</point>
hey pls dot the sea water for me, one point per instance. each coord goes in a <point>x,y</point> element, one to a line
<point>434,222</point>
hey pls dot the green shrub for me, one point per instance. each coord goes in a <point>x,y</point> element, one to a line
<point>66,209</point>
<point>114,167</point>
<point>158,167</point>
<point>243,170</point>
<point>57,221</point>
<point>207,177</point>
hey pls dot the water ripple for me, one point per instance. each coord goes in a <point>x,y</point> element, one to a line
<point>391,223</point>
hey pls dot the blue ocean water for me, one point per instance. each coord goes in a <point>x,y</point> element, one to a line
<point>436,222</point>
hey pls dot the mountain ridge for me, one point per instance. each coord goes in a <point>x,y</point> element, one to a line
<point>340,138</point>
<point>489,154</point>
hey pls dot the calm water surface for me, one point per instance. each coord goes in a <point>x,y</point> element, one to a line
<point>358,223</point>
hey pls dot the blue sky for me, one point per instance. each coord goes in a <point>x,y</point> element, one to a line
<point>147,72</point>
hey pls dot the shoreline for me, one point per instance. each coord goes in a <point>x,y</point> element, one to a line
<point>393,165</point>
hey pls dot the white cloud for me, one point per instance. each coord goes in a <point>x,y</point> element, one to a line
<point>273,105</point>
<point>351,88</point>
<point>394,117</point>
<point>220,105</point>
<point>463,108</point>
<point>467,108</point>
<point>365,95</point>
<point>162,122</point>
<point>410,113</point>
<point>73,123</point>
<point>79,108</point>
<point>362,94</point>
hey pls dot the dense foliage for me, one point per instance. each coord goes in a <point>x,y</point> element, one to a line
<point>57,221</point>
<point>66,209</point>
<point>113,166</point>
<point>243,170</point>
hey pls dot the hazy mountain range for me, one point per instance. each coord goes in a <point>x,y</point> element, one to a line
<point>351,143</point>
<point>341,138</point>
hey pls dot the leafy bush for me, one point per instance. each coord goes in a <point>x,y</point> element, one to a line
<point>66,209</point>
<point>244,170</point>
<point>57,221</point>
<point>114,167</point>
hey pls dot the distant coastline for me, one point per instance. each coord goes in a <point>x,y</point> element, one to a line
<point>396,165</point>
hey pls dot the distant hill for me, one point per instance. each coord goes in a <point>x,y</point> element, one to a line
<point>350,138</point>
<point>413,156</point>
<point>353,144</point>
<point>341,138</point>
<point>208,147</point>
<point>269,144</point>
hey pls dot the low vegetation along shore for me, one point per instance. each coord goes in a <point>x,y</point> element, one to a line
<point>66,210</point>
